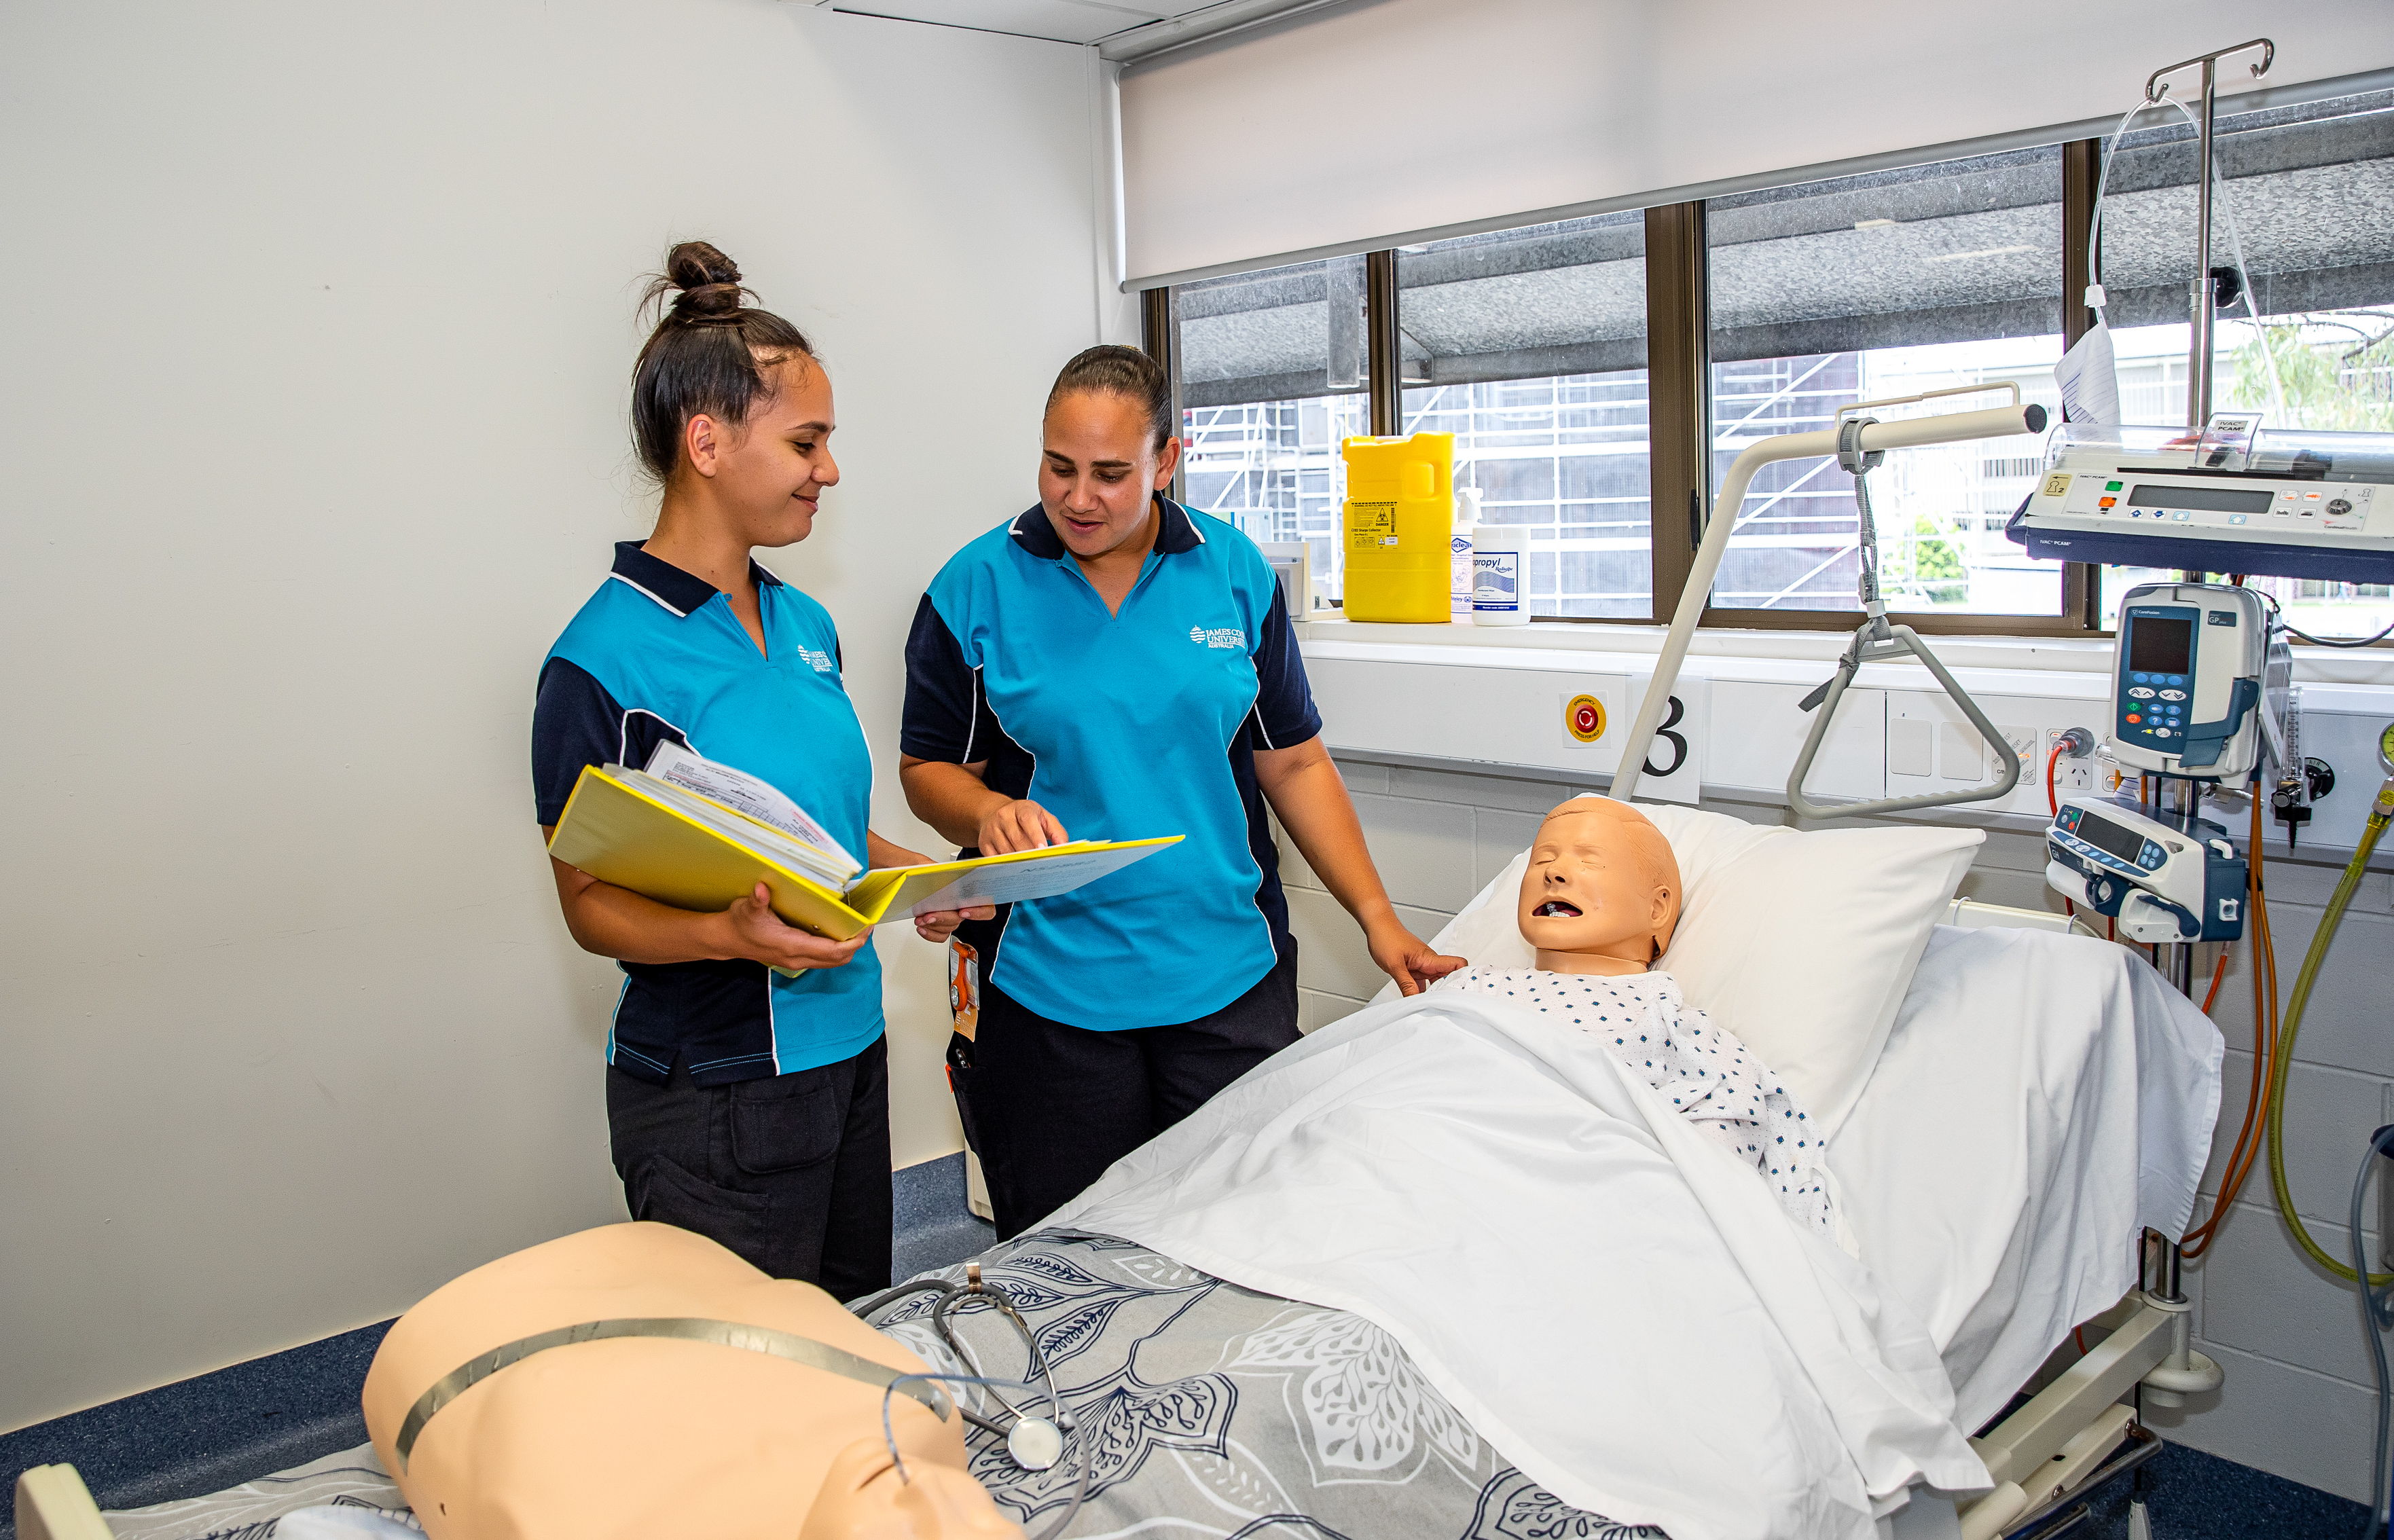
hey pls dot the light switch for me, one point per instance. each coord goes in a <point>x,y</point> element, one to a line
<point>1909,744</point>
<point>1963,754</point>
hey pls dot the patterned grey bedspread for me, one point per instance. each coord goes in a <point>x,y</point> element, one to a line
<point>1218,1411</point>
<point>1231,1413</point>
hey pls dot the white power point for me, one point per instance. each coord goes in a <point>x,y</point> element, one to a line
<point>2076,772</point>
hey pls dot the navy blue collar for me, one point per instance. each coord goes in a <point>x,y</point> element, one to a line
<point>679,591</point>
<point>1035,533</point>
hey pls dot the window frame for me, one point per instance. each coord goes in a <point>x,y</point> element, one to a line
<point>1678,371</point>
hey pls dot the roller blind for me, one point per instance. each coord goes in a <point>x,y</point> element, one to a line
<point>1362,125</point>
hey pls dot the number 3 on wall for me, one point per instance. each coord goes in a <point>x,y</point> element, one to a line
<point>1677,741</point>
<point>1675,761</point>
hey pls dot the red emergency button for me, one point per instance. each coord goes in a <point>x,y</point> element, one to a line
<point>2134,717</point>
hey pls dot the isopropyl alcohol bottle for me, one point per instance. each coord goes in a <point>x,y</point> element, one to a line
<point>1499,573</point>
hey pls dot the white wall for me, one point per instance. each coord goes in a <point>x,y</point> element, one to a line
<point>312,437</point>
<point>1360,123</point>
<point>2297,1399</point>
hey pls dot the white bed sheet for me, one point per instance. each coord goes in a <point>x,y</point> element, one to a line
<point>1614,1300</point>
<point>2041,1100</point>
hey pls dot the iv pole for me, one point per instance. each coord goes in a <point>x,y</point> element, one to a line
<point>2199,290</point>
<point>2184,1370</point>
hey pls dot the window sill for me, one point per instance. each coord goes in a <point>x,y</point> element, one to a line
<point>1577,644</point>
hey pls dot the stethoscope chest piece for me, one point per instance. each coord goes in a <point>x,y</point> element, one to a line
<point>1034,1444</point>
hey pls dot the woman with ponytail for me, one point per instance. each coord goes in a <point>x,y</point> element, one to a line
<point>748,1105</point>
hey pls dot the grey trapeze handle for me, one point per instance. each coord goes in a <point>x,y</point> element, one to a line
<point>727,1333</point>
<point>1902,641</point>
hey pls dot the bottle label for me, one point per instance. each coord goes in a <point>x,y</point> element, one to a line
<point>1459,587</point>
<point>1370,525</point>
<point>1497,580</point>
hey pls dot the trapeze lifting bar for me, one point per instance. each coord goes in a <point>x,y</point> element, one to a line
<point>1871,438</point>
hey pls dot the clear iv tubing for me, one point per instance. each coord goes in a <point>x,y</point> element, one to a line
<point>2235,242</point>
<point>2379,816</point>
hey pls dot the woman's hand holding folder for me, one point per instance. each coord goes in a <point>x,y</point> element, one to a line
<point>616,922</point>
<point>939,925</point>
<point>759,935</point>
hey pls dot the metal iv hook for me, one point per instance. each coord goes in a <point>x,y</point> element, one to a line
<point>2155,91</point>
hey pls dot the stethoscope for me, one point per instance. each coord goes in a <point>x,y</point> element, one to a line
<point>1034,1444</point>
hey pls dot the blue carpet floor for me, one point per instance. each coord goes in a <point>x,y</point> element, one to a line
<point>204,1434</point>
<point>2190,1495</point>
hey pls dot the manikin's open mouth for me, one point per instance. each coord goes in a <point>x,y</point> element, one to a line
<point>1555,909</point>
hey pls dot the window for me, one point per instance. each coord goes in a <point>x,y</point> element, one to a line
<point>2305,189</point>
<point>1530,347</point>
<point>1863,288</point>
<point>1596,370</point>
<point>1273,366</point>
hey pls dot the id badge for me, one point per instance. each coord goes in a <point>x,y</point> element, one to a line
<point>964,988</point>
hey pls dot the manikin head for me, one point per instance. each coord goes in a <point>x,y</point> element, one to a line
<point>1601,892</point>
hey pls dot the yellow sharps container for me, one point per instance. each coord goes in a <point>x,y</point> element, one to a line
<point>1399,527</point>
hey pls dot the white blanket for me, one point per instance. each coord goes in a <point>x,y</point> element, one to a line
<point>2042,1099</point>
<point>1610,1297</point>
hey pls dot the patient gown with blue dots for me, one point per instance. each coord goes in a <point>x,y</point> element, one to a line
<point>1716,1082</point>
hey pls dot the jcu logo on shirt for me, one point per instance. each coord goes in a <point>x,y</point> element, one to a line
<point>820,661</point>
<point>1221,636</point>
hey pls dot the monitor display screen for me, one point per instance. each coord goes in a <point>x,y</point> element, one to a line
<point>2201,499</point>
<point>2105,835</point>
<point>2159,644</point>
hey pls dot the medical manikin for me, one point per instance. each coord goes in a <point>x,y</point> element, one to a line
<point>648,1435</point>
<point>1598,901</point>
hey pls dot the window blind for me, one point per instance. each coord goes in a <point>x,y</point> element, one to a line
<point>1369,125</point>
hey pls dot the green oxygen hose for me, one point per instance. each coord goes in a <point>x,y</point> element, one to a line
<point>2379,816</point>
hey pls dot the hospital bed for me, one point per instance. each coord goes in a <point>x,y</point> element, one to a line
<point>1992,1120</point>
<point>1233,1406</point>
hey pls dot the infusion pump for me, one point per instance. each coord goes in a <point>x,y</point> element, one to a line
<point>2292,504</point>
<point>2199,681</point>
<point>2161,876</point>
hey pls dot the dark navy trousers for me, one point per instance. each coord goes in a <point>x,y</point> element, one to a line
<point>1048,1107</point>
<point>791,1172</point>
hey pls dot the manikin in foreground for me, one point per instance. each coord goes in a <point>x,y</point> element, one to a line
<point>1599,899</point>
<point>653,1435</point>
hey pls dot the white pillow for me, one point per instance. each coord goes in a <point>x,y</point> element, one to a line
<point>1801,943</point>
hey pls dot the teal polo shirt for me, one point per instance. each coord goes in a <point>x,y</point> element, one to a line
<point>1124,725</point>
<point>657,655</point>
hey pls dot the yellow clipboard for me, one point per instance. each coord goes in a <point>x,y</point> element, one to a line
<point>619,834</point>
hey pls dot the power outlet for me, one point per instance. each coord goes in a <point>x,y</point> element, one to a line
<point>2076,772</point>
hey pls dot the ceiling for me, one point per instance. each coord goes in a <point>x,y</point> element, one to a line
<point>1125,29</point>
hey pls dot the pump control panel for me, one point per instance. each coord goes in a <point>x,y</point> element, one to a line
<point>2163,876</point>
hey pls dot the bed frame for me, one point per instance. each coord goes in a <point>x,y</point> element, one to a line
<point>52,1503</point>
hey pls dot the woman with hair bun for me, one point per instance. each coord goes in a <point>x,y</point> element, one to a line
<point>747,1105</point>
<point>1110,665</point>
